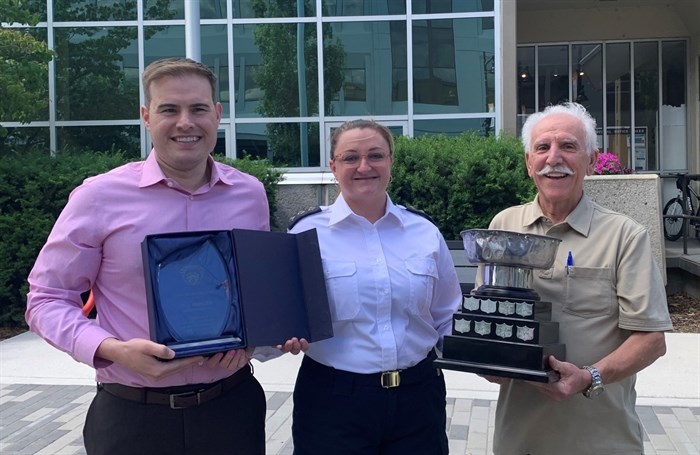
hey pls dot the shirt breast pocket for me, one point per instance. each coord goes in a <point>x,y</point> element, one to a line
<point>343,289</point>
<point>589,292</point>
<point>423,276</point>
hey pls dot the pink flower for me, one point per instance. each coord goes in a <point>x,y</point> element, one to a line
<point>609,163</point>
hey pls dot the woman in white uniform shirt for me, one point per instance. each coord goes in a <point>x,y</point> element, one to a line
<point>392,286</point>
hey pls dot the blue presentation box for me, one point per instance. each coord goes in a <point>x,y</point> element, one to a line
<point>213,291</point>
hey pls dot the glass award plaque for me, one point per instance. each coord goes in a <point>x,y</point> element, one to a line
<point>194,306</point>
<point>194,289</point>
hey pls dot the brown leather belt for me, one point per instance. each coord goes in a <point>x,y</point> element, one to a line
<point>178,397</point>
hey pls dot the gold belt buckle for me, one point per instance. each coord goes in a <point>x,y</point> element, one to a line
<point>390,379</point>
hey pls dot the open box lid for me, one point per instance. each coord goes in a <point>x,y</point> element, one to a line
<point>282,286</point>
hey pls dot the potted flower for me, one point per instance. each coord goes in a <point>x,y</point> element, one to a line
<point>609,164</point>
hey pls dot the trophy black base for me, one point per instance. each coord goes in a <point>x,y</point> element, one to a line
<point>508,354</point>
<point>544,376</point>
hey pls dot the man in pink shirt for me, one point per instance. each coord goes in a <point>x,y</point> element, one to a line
<point>144,405</point>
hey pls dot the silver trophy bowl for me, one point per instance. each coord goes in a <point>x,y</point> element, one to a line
<point>508,259</point>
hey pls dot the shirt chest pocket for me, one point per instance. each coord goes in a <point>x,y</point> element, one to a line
<point>343,289</point>
<point>590,292</point>
<point>423,277</point>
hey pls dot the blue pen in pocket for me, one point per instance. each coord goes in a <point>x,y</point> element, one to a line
<point>569,262</point>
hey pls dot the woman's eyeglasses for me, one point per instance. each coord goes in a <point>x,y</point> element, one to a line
<point>353,159</point>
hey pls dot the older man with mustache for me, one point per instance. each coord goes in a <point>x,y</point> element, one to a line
<point>607,294</point>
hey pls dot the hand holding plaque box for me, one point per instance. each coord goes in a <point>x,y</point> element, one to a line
<point>502,328</point>
<point>214,291</point>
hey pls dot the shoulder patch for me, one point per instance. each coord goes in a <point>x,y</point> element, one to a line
<point>419,213</point>
<point>303,214</point>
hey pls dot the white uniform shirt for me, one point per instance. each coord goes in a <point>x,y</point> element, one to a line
<point>392,287</point>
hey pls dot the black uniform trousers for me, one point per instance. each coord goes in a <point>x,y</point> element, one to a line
<point>342,413</point>
<point>230,421</point>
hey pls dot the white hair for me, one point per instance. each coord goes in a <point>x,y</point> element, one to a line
<point>568,108</point>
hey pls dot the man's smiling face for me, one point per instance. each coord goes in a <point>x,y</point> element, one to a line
<point>557,161</point>
<point>183,120</point>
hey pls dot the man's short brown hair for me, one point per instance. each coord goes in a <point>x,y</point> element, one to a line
<point>176,67</point>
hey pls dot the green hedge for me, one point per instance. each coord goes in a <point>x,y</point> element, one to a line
<point>34,187</point>
<point>460,181</point>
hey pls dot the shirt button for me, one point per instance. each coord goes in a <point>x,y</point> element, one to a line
<point>170,184</point>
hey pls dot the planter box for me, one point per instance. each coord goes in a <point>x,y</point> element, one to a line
<point>637,196</point>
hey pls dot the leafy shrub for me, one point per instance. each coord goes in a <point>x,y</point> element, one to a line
<point>261,169</point>
<point>460,181</point>
<point>34,188</point>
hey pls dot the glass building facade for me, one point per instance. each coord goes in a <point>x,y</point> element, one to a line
<point>419,66</point>
<point>636,90</point>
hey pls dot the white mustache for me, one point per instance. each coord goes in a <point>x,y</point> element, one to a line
<point>560,168</point>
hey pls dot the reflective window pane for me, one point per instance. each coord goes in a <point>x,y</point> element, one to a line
<point>215,56</point>
<point>100,139</point>
<point>35,7</point>
<point>94,10</point>
<point>363,7</point>
<point>212,9</point>
<point>451,6</point>
<point>163,9</point>
<point>162,42</point>
<point>365,68</point>
<point>552,75</point>
<point>453,66</point>
<point>273,8</point>
<point>618,100</point>
<point>175,9</point>
<point>96,73</point>
<point>587,80</point>
<point>674,104</point>
<point>281,71</point>
<point>284,144</point>
<point>25,97</point>
<point>526,85</point>
<point>646,104</point>
<point>454,127</point>
<point>25,139</point>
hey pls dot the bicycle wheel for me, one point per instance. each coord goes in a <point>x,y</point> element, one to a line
<point>673,227</point>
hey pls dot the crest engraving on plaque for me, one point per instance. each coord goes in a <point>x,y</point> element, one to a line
<point>470,303</point>
<point>525,333</point>
<point>523,309</point>
<point>463,325</point>
<point>192,274</point>
<point>482,327</point>
<point>506,308</point>
<point>488,306</point>
<point>504,330</point>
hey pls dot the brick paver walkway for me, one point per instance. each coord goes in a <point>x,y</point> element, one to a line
<point>48,420</point>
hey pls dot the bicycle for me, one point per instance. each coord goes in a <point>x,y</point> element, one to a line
<point>673,227</point>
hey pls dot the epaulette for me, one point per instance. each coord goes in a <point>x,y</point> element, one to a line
<point>419,213</point>
<point>303,214</point>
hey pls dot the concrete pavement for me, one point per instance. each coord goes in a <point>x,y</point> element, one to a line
<point>44,390</point>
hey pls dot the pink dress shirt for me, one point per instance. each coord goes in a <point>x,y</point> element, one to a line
<point>96,244</point>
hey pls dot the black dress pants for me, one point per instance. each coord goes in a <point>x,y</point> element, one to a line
<point>342,413</point>
<point>231,424</point>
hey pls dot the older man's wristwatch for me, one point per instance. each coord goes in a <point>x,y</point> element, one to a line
<point>596,387</point>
